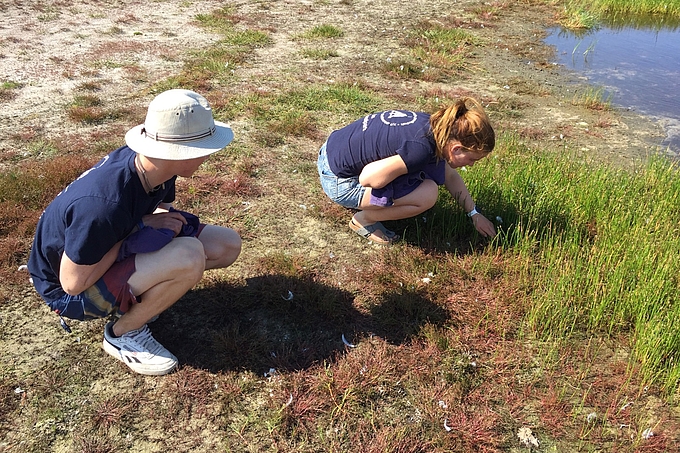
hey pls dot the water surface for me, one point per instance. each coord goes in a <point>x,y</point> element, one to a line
<point>639,67</point>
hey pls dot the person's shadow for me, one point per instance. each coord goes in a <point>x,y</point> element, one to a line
<point>281,322</point>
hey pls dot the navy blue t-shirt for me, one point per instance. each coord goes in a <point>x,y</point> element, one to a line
<point>90,216</point>
<point>378,136</point>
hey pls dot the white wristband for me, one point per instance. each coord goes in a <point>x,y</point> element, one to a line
<point>473,212</point>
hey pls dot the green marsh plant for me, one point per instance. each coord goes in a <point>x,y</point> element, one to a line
<point>594,98</point>
<point>580,14</point>
<point>599,247</point>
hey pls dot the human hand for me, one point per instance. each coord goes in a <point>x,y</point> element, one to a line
<point>483,225</point>
<point>172,220</point>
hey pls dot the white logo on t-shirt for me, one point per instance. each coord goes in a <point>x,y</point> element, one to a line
<point>398,117</point>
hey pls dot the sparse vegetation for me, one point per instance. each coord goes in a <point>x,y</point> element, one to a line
<point>436,53</point>
<point>319,53</point>
<point>8,90</point>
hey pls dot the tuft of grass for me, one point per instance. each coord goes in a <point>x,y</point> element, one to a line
<point>594,99</point>
<point>8,90</point>
<point>323,31</point>
<point>114,31</point>
<point>88,109</point>
<point>88,115</point>
<point>91,86</point>
<point>220,21</point>
<point>87,100</point>
<point>218,62</point>
<point>248,39</point>
<point>48,13</point>
<point>579,18</point>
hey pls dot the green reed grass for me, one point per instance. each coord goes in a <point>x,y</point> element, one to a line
<point>593,99</point>
<point>588,14</point>
<point>598,246</point>
<point>644,7</point>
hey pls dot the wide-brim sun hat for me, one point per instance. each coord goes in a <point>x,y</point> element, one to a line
<point>179,125</point>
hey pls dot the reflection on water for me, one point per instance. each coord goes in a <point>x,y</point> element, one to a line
<point>640,67</point>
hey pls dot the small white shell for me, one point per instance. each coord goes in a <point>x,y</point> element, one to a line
<point>347,343</point>
<point>288,297</point>
<point>446,426</point>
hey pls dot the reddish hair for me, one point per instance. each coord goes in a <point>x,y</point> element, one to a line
<point>464,121</point>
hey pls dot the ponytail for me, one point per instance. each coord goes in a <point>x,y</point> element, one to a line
<point>466,122</point>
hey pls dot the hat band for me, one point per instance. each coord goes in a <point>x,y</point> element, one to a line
<point>177,138</point>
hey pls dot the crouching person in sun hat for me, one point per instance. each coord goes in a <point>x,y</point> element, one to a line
<point>111,243</point>
<point>389,165</point>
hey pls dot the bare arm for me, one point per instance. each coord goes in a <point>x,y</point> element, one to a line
<point>456,186</point>
<point>382,172</point>
<point>163,207</point>
<point>76,278</point>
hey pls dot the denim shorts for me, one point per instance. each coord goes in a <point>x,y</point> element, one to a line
<point>346,192</point>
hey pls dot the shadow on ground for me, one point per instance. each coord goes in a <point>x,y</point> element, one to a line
<point>260,326</point>
<point>445,228</point>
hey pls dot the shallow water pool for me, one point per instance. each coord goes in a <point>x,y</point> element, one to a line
<point>639,67</point>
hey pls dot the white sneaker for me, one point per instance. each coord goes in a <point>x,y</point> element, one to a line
<point>139,350</point>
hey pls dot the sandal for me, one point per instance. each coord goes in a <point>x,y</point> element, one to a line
<point>369,230</point>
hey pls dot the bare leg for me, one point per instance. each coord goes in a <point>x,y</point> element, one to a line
<point>161,278</point>
<point>222,246</point>
<point>418,201</point>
